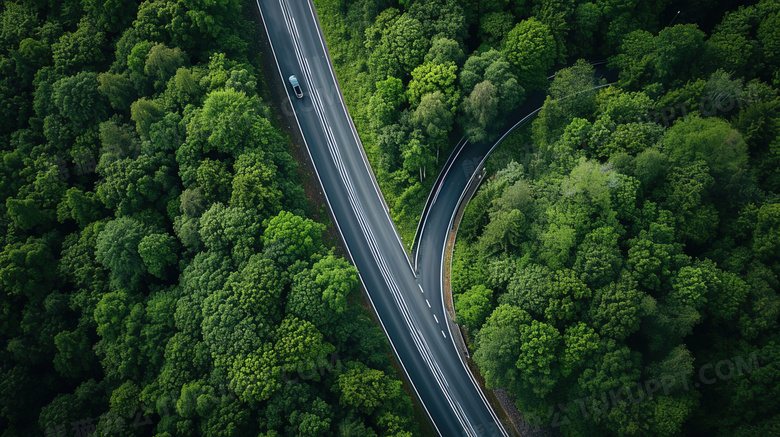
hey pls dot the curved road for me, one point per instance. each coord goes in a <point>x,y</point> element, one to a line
<point>460,172</point>
<point>412,317</point>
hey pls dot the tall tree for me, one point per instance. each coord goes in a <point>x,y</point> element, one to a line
<point>531,49</point>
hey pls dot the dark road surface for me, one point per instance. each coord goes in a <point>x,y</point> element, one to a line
<point>410,312</point>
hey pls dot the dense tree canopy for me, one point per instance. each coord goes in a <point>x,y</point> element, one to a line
<point>634,240</point>
<point>486,58</point>
<point>163,274</point>
<point>162,271</point>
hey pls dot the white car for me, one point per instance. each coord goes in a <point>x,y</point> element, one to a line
<point>296,87</point>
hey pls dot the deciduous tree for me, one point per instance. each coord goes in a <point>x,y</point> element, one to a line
<point>531,49</point>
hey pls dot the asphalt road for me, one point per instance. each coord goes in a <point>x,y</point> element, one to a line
<point>462,169</point>
<point>413,318</point>
<point>458,178</point>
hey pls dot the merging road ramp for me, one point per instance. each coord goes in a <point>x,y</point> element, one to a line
<point>412,316</point>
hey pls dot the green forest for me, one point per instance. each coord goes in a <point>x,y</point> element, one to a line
<point>618,272</point>
<point>162,271</point>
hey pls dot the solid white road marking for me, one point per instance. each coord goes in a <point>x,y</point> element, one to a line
<point>357,208</point>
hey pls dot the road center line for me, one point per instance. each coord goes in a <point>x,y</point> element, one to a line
<point>366,229</point>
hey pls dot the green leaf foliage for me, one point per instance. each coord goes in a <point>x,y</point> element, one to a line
<point>163,272</point>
